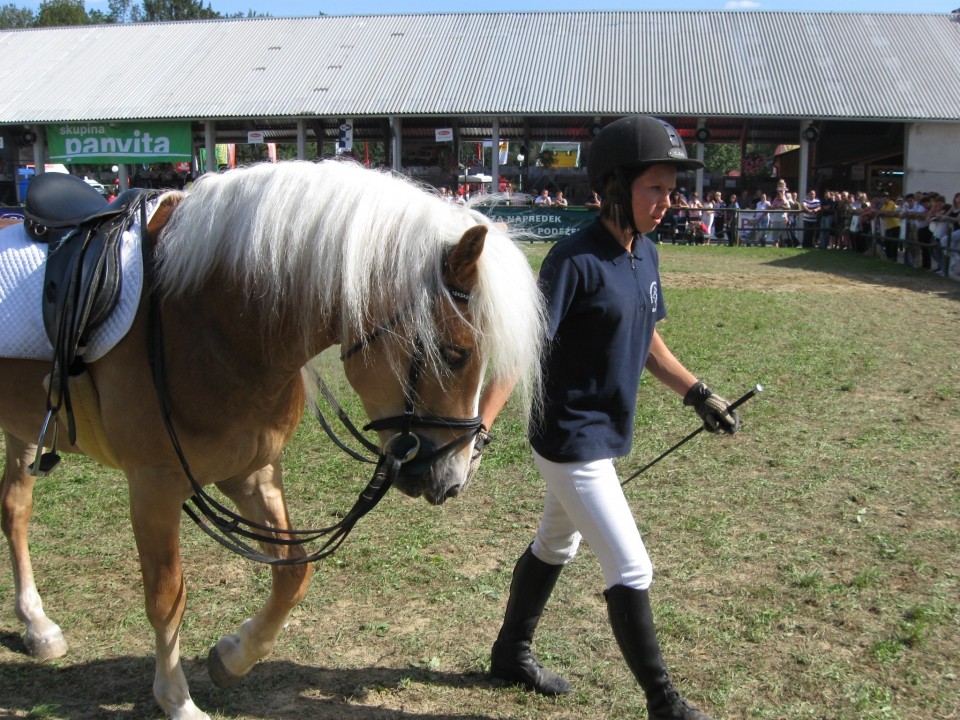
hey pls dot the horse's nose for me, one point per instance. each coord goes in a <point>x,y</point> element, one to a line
<point>453,491</point>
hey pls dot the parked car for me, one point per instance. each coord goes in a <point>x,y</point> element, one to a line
<point>99,187</point>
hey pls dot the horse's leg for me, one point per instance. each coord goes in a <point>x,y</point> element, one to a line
<point>42,636</point>
<point>259,497</point>
<point>155,513</point>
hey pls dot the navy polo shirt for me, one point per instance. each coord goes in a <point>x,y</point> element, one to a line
<point>603,304</point>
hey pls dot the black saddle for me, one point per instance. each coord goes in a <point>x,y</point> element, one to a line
<point>82,277</point>
<point>56,201</point>
<point>82,232</point>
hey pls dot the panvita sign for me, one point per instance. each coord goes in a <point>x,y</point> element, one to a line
<point>109,143</point>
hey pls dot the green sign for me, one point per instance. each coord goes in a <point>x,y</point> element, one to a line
<point>544,223</point>
<point>109,143</point>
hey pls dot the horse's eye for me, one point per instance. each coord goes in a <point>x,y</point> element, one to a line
<point>454,356</point>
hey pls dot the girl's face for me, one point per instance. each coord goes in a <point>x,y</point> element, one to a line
<point>650,195</point>
<point>956,200</point>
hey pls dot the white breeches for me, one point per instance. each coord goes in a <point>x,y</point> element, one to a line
<point>584,499</point>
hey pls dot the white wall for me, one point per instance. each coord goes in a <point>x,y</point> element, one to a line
<point>932,158</point>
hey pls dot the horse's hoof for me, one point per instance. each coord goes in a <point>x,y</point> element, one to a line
<point>46,647</point>
<point>218,672</point>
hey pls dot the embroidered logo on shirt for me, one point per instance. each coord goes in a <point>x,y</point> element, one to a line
<point>654,296</point>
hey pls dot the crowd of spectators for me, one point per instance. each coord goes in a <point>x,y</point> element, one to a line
<point>919,229</point>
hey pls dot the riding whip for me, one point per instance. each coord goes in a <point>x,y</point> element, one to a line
<point>733,406</point>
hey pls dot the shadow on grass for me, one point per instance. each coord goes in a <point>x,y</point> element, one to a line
<point>872,270</point>
<point>120,688</point>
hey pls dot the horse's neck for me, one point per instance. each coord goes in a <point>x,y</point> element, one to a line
<point>225,347</point>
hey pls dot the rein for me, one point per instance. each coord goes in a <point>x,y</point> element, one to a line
<point>232,530</point>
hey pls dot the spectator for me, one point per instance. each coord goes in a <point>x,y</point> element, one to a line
<point>811,217</point>
<point>731,220</point>
<point>949,235</point>
<point>909,213</point>
<point>889,223</point>
<point>561,201</point>
<point>708,214</point>
<point>762,219</point>
<point>779,227</point>
<point>828,210</point>
<point>793,218</point>
<point>718,219</point>
<point>544,199</point>
<point>929,249</point>
<point>674,218</point>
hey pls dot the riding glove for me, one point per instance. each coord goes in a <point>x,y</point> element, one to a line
<point>482,440</point>
<point>712,409</point>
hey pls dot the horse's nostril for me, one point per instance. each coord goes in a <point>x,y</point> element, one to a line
<point>453,491</point>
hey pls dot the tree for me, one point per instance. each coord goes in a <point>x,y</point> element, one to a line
<point>57,13</point>
<point>160,10</point>
<point>124,11</point>
<point>721,158</point>
<point>13,17</point>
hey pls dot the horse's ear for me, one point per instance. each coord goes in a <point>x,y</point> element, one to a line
<point>168,201</point>
<point>461,269</point>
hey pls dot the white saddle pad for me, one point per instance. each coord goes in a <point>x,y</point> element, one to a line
<point>21,283</point>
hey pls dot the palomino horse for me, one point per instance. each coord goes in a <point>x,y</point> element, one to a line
<point>259,270</point>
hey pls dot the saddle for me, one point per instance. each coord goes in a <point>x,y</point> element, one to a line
<point>82,277</point>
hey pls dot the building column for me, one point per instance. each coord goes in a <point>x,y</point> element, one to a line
<point>808,136</point>
<point>39,150</point>
<point>301,139</point>
<point>210,143</point>
<point>396,144</point>
<point>698,183</point>
<point>495,156</point>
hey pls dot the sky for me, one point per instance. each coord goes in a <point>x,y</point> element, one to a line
<point>297,8</point>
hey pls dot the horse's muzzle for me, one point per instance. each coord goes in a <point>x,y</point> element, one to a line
<point>444,479</point>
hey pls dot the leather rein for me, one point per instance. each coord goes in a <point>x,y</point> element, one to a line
<point>235,532</point>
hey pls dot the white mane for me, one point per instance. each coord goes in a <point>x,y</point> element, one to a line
<point>319,238</point>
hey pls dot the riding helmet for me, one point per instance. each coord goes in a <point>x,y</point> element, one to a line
<point>634,143</point>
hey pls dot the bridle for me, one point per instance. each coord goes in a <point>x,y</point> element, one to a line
<point>406,448</point>
<point>415,452</point>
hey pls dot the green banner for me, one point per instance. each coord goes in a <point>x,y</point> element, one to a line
<point>123,143</point>
<point>545,223</point>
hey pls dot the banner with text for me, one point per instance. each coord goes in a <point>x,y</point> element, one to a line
<point>109,143</point>
<point>544,223</point>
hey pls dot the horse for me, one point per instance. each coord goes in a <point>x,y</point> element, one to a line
<point>258,270</point>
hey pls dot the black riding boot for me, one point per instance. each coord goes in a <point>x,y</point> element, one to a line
<point>511,659</point>
<point>632,622</point>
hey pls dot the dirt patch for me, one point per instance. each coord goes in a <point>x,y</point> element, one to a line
<point>788,281</point>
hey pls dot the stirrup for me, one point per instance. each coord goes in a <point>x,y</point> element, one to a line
<point>45,463</point>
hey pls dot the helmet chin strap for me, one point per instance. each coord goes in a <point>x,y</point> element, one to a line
<point>624,199</point>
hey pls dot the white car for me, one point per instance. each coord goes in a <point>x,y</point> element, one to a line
<point>99,187</point>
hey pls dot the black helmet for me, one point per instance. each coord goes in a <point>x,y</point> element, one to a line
<point>635,142</point>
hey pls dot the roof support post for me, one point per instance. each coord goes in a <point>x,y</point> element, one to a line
<point>698,183</point>
<point>301,139</point>
<point>803,171</point>
<point>396,142</point>
<point>210,143</point>
<point>495,155</point>
<point>39,149</point>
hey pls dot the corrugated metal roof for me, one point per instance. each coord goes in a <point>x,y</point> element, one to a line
<point>760,64</point>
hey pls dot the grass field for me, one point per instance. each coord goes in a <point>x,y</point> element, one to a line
<point>806,569</point>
